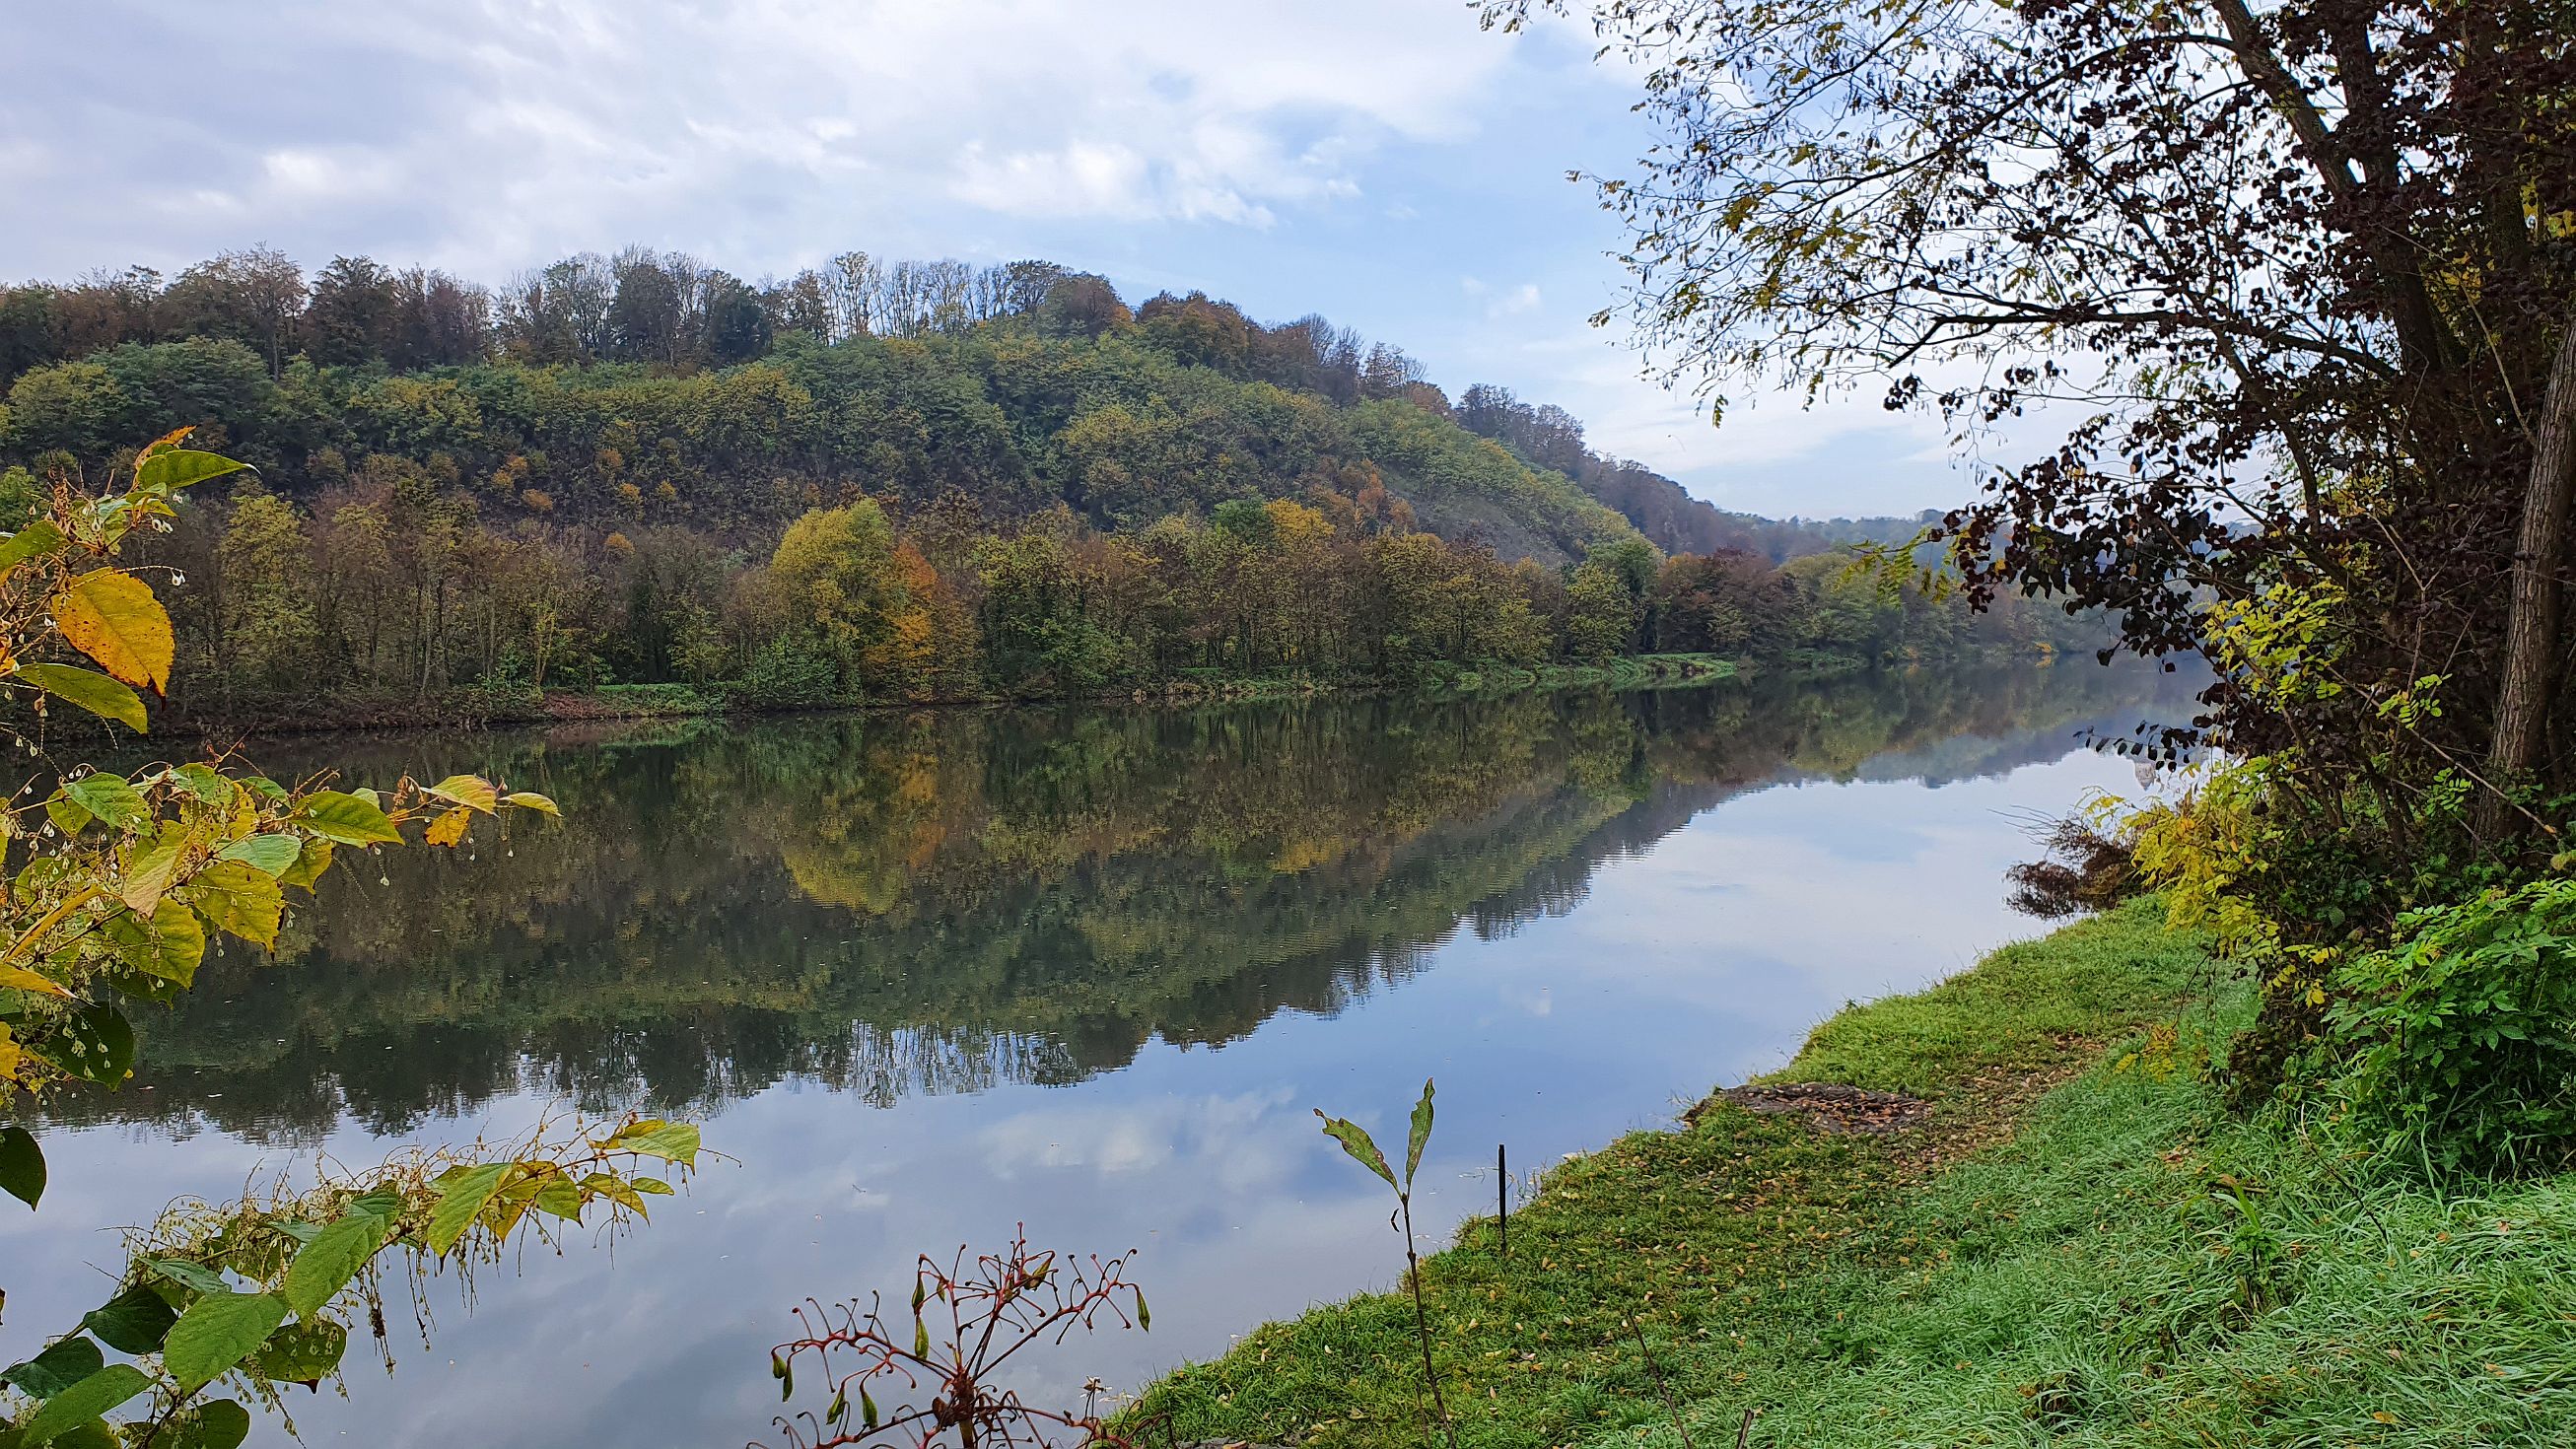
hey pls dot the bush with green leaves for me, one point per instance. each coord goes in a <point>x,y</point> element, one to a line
<point>114,886</point>
<point>2462,1033</point>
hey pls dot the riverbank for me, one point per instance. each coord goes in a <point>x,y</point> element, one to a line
<point>495,707</point>
<point>2067,1239</point>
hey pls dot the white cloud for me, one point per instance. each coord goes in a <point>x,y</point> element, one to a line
<point>774,130</point>
<point>1523,298</point>
<point>1329,156</point>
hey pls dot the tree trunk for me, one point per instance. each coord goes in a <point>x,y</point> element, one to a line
<point>2531,632</point>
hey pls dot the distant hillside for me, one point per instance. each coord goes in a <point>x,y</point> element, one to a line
<point>647,390</point>
<point>1549,437</point>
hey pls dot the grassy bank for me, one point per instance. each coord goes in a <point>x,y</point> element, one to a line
<point>2077,1245</point>
<point>494,706</point>
<point>1641,671</point>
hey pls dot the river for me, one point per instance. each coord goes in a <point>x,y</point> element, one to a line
<point>926,977</point>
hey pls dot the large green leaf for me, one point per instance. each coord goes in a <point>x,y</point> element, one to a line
<point>168,944</point>
<point>338,815</point>
<point>109,798</point>
<point>205,782</point>
<point>670,1141</point>
<point>59,1367</point>
<point>90,690</point>
<point>215,1424</point>
<point>1419,1135</point>
<point>1356,1141</point>
<point>463,1198</point>
<point>301,1353</point>
<point>325,1265</point>
<point>22,1165</point>
<point>134,1321</point>
<point>217,1332</point>
<point>179,467</point>
<point>560,1198</point>
<point>82,1402</point>
<point>38,537</point>
<point>95,1044</point>
<point>239,898</point>
<point>272,854</point>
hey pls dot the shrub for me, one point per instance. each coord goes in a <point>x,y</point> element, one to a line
<point>790,673</point>
<point>2460,1031</point>
<point>2084,870</point>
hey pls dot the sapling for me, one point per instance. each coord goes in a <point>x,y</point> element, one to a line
<point>1363,1149</point>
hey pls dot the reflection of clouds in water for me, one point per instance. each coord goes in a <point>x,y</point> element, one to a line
<point>1817,908</point>
<point>1614,966</point>
<point>1232,1134</point>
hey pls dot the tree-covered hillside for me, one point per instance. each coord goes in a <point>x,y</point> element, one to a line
<point>648,390</point>
<point>884,482</point>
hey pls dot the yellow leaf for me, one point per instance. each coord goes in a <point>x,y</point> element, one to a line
<point>148,874</point>
<point>472,791</point>
<point>449,829</point>
<point>164,443</point>
<point>22,979</point>
<point>111,616</point>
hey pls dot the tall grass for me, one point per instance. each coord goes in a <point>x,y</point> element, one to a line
<point>2137,1268</point>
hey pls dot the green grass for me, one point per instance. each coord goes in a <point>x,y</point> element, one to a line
<point>2096,1283</point>
<point>1722,1240</point>
<point>2115,1262</point>
<point>1628,672</point>
<point>657,699</point>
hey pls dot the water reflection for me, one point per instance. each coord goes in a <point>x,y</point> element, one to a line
<point>929,976</point>
<point>946,902</point>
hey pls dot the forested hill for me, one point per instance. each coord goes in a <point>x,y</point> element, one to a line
<point>649,391</point>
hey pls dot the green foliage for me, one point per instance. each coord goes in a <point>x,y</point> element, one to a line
<point>1363,1149</point>
<point>117,882</point>
<point>985,501</point>
<point>1744,1247</point>
<point>2460,1036</point>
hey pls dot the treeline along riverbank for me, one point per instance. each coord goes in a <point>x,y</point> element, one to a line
<point>891,482</point>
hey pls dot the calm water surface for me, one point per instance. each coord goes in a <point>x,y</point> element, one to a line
<point>924,978</point>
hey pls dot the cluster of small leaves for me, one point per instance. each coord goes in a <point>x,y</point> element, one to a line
<point>128,877</point>
<point>2458,1036</point>
<point>263,1292</point>
<point>968,1322</point>
<point>116,884</point>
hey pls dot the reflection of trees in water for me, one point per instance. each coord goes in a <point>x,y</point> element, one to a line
<point>939,903</point>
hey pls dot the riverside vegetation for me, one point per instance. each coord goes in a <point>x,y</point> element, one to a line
<point>640,481</point>
<point>118,883</point>
<point>2278,1155</point>
<point>123,878</point>
<point>2281,1154</point>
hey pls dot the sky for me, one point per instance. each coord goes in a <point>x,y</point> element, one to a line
<point>1384,162</point>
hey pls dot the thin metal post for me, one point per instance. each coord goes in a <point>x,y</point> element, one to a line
<point>1503,1199</point>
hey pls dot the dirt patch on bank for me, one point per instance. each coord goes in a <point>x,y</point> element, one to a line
<point>1831,1106</point>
